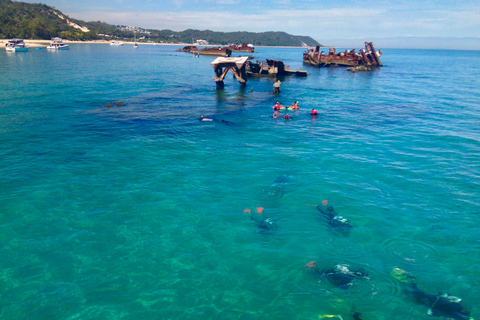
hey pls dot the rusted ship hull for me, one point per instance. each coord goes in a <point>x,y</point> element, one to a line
<point>188,49</point>
<point>272,68</point>
<point>241,48</point>
<point>215,51</point>
<point>368,57</point>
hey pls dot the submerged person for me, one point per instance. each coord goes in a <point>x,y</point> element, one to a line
<point>441,305</point>
<point>340,275</point>
<point>264,223</point>
<point>336,222</point>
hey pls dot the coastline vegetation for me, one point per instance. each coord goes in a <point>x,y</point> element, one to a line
<point>40,21</point>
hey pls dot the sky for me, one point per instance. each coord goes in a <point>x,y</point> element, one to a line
<point>440,24</point>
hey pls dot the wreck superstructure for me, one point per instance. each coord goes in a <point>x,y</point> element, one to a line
<point>272,68</point>
<point>242,48</point>
<point>188,49</point>
<point>367,57</point>
<point>222,65</point>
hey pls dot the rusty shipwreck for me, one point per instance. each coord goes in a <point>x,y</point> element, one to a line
<point>366,59</point>
<point>242,48</point>
<point>272,68</point>
<point>188,49</point>
<point>214,51</point>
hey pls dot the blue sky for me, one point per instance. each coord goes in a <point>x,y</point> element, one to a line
<point>438,24</point>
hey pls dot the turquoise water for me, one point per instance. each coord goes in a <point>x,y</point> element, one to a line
<point>136,211</point>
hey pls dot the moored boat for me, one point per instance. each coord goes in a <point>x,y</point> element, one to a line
<point>116,43</point>
<point>57,44</point>
<point>16,45</point>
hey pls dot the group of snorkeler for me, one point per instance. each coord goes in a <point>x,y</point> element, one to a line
<point>277,107</point>
<point>344,276</point>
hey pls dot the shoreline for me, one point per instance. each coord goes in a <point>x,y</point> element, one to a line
<point>45,43</point>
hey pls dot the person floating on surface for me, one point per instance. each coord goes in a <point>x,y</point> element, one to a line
<point>204,119</point>
<point>440,305</point>
<point>334,221</point>
<point>340,275</point>
<point>263,222</point>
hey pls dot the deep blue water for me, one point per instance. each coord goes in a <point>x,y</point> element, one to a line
<point>136,211</point>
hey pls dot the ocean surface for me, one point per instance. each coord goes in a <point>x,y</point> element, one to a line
<point>139,210</point>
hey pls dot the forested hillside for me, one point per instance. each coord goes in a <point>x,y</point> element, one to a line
<point>40,21</point>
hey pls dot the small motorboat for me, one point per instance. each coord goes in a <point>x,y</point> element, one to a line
<point>116,43</point>
<point>57,44</point>
<point>16,45</point>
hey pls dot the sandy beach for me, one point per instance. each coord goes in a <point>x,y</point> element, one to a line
<point>45,43</point>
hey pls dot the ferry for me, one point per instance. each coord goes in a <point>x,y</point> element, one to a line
<point>57,44</point>
<point>16,45</point>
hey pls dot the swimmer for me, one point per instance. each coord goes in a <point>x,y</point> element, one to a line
<point>340,275</point>
<point>441,305</point>
<point>276,114</point>
<point>264,223</point>
<point>286,117</point>
<point>295,105</point>
<point>314,112</point>
<point>337,223</point>
<point>204,119</point>
<point>277,106</point>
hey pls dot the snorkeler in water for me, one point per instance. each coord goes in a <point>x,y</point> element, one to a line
<point>202,118</point>
<point>264,223</point>
<point>340,275</point>
<point>336,222</point>
<point>441,305</point>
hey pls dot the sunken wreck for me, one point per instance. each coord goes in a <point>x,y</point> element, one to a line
<point>366,59</point>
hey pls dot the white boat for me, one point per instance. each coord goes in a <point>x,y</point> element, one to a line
<point>116,43</point>
<point>16,45</point>
<point>57,44</point>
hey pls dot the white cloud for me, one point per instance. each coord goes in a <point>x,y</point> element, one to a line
<point>322,25</point>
